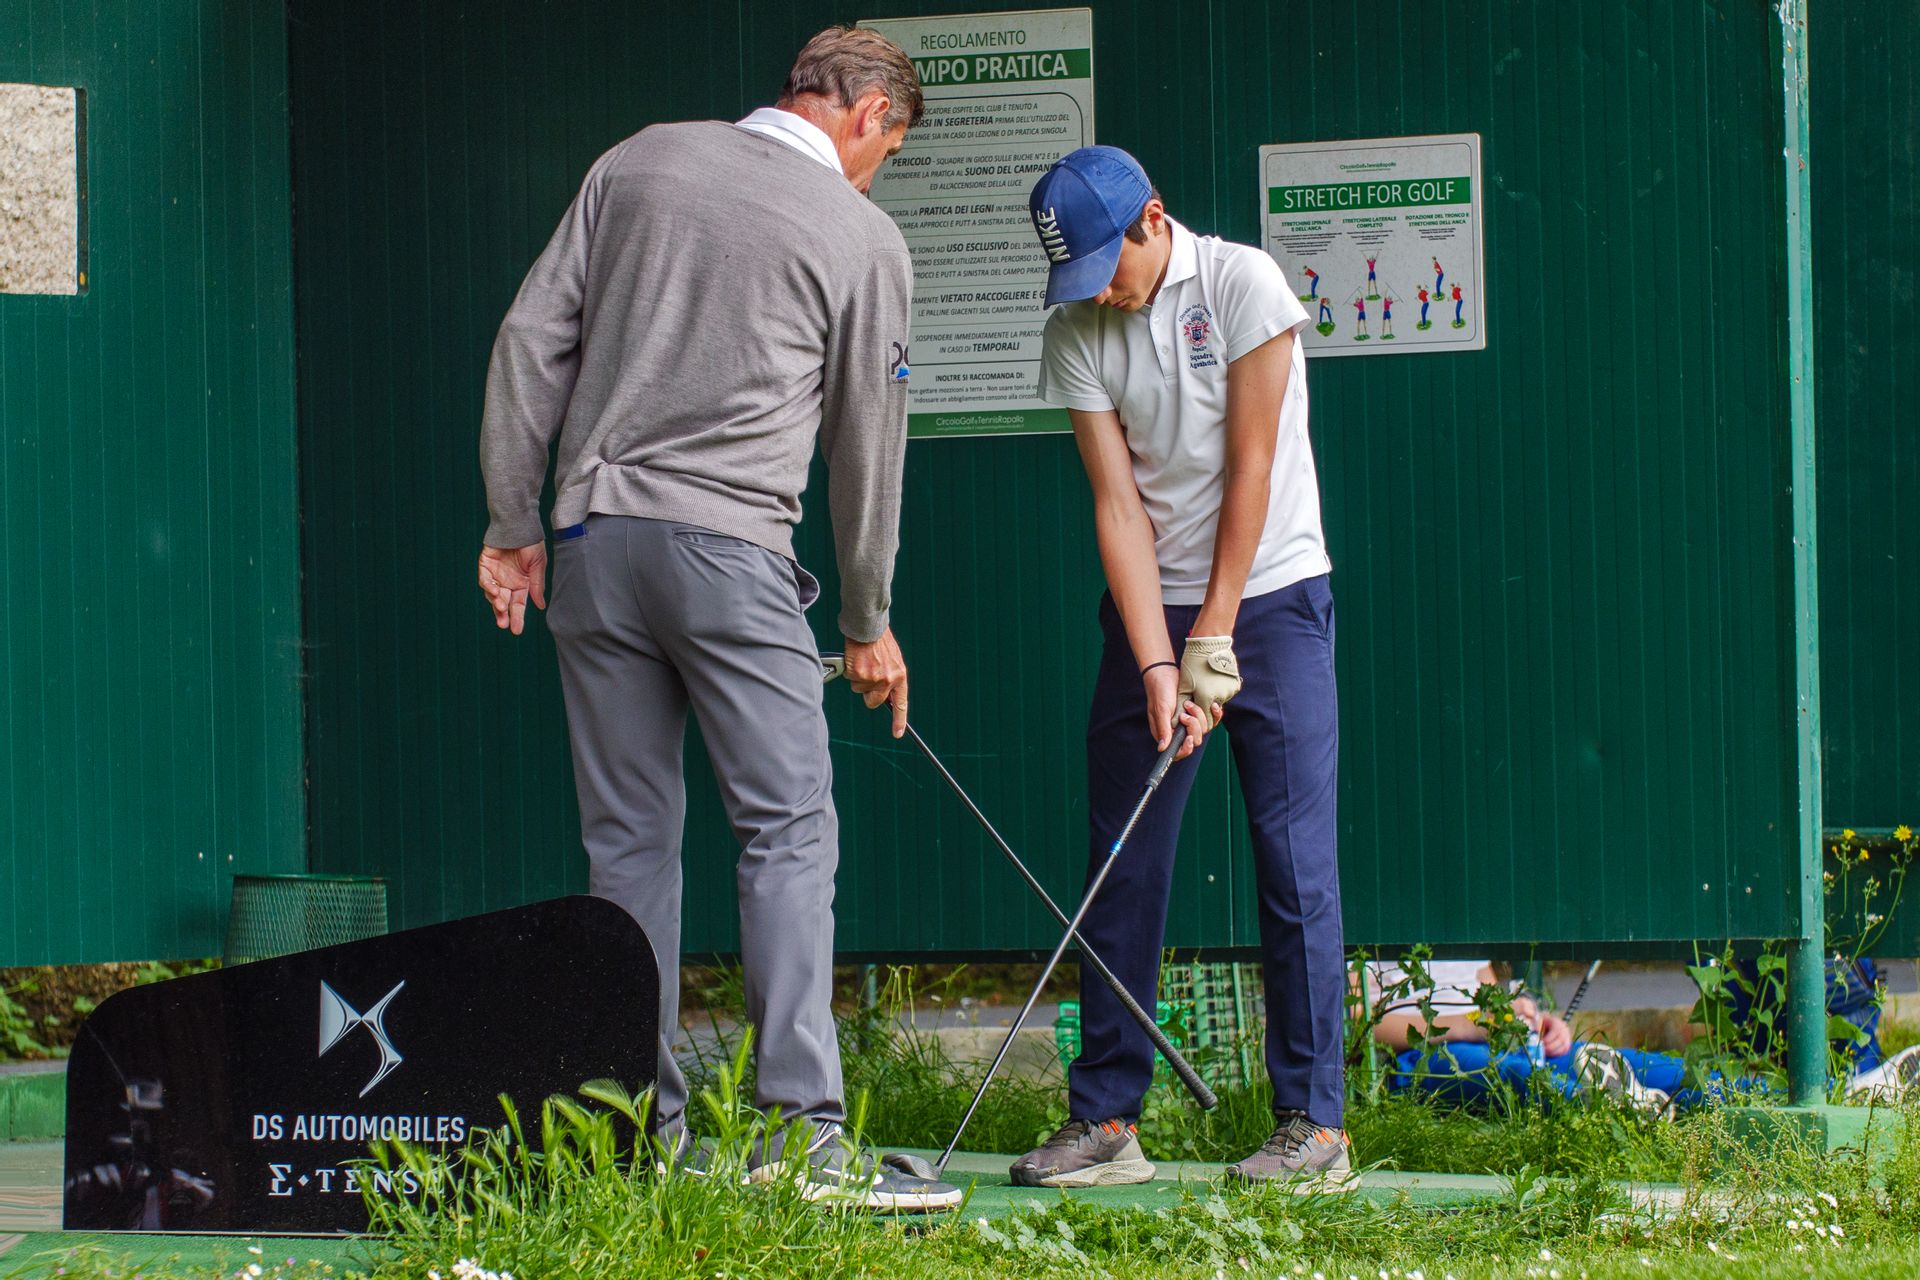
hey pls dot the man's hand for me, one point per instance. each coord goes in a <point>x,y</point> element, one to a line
<point>1209,673</point>
<point>1163,695</point>
<point>1556,1037</point>
<point>508,576</point>
<point>878,673</point>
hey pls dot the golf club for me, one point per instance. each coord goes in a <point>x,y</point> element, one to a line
<point>832,666</point>
<point>1579,992</point>
<point>1073,927</point>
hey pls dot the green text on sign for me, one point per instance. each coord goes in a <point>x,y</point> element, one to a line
<point>1006,68</point>
<point>1398,193</point>
<point>987,422</point>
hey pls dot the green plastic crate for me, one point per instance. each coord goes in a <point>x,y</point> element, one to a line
<point>1209,1014</point>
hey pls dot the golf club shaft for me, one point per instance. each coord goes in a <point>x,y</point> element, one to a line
<point>1181,1067</point>
<point>1580,991</point>
<point>1073,927</point>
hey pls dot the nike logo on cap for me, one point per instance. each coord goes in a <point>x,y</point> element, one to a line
<point>1051,237</point>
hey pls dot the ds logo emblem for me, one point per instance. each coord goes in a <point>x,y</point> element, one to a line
<point>338,1019</point>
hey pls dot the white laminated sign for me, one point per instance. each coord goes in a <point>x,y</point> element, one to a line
<point>1382,240</point>
<point>1007,95</point>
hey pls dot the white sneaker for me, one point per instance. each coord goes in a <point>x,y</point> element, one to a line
<point>1888,1082</point>
<point>1603,1069</point>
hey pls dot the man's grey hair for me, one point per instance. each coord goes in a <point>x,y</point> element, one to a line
<point>847,63</point>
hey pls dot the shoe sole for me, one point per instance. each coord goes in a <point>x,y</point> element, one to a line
<point>856,1197</point>
<point>1327,1182</point>
<point>1114,1173</point>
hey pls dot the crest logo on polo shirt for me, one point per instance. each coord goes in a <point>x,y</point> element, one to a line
<point>1052,239</point>
<point>1196,322</point>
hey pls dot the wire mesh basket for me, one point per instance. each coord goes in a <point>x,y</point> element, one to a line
<point>1220,1010</point>
<point>276,915</point>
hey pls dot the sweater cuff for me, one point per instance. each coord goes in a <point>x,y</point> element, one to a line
<point>864,628</point>
<point>509,532</point>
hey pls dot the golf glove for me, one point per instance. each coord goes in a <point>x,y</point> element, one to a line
<point>1209,673</point>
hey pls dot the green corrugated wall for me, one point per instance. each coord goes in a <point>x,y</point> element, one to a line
<point>1866,147</point>
<point>150,717</point>
<point>1562,565</point>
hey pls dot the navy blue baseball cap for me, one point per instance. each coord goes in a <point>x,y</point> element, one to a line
<point>1081,208</point>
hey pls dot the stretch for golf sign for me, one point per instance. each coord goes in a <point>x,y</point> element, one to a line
<point>1007,95</point>
<point>1382,240</point>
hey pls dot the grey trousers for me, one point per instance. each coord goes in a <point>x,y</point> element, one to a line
<point>651,617</point>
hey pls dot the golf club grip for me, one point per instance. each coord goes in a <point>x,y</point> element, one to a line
<point>1181,1067</point>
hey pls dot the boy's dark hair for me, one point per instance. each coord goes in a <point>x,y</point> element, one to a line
<point>1138,231</point>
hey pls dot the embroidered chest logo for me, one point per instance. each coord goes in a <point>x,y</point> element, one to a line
<point>1052,239</point>
<point>1196,322</point>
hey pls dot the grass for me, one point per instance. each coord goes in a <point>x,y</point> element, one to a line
<point>581,1208</point>
<point>577,1204</point>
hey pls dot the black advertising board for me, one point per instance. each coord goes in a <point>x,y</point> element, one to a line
<point>237,1100</point>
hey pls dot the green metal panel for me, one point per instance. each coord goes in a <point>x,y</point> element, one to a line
<point>1866,194</point>
<point>1563,564</point>
<point>150,734</point>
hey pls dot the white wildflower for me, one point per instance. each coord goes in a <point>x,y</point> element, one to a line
<point>1712,1247</point>
<point>1828,1197</point>
<point>1546,1255</point>
<point>1837,1232</point>
<point>254,1249</point>
<point>253,1269</point>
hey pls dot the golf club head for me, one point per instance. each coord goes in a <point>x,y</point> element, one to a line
<point>832,667</point>
<point>911,1165</point>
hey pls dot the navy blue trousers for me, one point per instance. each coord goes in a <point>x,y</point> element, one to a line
<point>1284,730</point>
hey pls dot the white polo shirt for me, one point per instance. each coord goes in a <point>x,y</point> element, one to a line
<point>1164,368</point>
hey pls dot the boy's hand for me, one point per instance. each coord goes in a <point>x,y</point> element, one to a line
<point>1163,696</point>
<point>1209,674</point>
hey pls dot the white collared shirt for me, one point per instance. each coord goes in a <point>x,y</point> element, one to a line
<point>1164,368</point>
<point>798,132</point>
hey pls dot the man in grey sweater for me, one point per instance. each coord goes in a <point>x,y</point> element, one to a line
<point>718,297</point>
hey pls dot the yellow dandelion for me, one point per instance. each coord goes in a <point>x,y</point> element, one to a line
<point>1847,835</point>
<point>1903,833</point>
<point>1863,855</point>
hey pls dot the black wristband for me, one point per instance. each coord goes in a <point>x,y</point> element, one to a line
<point>1164,662</point>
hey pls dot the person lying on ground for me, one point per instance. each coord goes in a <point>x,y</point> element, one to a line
<point>1464,1068</point>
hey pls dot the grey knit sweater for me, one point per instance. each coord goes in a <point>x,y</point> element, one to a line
<point>711,303</point>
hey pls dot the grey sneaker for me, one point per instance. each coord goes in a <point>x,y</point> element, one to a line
<point>836,1174</point>
<point>1083,1153</point>
<point>1305,1156</point>
<point>675,1151</point>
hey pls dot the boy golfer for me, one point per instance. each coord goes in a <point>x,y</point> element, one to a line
<point>1176,357</point>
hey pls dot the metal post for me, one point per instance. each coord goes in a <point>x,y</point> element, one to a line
<point>1806,968</point>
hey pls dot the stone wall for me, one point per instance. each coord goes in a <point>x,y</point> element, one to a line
<point>39,199</point>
